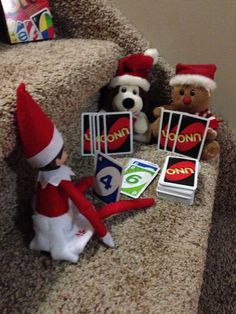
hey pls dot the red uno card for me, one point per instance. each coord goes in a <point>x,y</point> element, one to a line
<point>119,132</point>
<point>95,133</point>
<point>101,131</point>
<point>87,134</point>
<point>163,130</point>
<point>180,172</point>
<point>173,128</point>
<point>191,136</point>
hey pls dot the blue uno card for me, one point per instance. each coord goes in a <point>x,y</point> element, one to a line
<point>108,178</point>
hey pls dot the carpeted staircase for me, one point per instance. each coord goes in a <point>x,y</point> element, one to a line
<point>63,76</point>
<point>159,261</point>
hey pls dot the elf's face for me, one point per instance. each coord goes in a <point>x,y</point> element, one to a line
<point>62,160</point>
<point>190,98</point>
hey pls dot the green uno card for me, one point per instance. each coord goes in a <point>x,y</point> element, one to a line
<point>137,176</point>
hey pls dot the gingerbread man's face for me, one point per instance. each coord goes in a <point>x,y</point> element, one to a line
<point>190,98</point>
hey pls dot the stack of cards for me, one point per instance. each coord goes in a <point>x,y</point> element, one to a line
<point>178,179</point>
<point>107,132</point>
<point>138,174</point>
<point>182,133</point>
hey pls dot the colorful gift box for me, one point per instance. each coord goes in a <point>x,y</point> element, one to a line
<point>27,20</point>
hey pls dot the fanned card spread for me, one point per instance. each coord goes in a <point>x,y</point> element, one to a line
<point>106,132</point>
<point>182,133</point>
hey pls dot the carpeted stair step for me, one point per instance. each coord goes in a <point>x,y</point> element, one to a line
<point>63,76</point>
<point>156,267</point>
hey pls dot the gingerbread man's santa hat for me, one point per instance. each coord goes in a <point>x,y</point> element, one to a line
<point>134,69</point>
<point>195,74</point>
<point>40,139</point>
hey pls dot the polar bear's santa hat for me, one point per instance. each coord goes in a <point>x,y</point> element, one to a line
<point>133,69</point>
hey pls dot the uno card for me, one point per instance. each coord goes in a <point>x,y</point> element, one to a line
<point>191,136</point>
<point>96,133</point>
<point>138,174</point>
<point>163,129</point>
<point>173,128</point>
<point>33,33</point>
<point>101,130</point>
<point>108,178</point>
<point>108,132</point>
<point>21,31</point>
<point>118,132</point>
<point>43,22</point>
<point>174,191</point>
<point>180,172</point>
<point>87,134</point>
<point>176,199</point>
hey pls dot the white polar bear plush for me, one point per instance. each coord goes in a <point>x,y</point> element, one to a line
<point>128,91</point>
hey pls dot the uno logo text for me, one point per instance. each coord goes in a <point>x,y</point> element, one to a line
<point>174,171</point>
<point>111,137</point>
<point>183,138</point>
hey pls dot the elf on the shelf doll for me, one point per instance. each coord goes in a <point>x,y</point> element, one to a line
<point>64,220</point>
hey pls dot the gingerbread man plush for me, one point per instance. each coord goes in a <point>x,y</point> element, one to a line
<point>192,87</point>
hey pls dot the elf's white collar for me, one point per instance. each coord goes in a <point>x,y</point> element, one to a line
<point>54,177</point>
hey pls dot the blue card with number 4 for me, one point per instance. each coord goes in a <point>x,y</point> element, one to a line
<point>108,178</point>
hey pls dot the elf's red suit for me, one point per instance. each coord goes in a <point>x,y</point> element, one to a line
<point>64,220</point>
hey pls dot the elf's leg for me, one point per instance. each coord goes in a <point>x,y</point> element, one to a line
<point>86,208</point>
<point>124,205</point>
<point>97,223</point>
<point>60,229</point>
<point>41,226</point>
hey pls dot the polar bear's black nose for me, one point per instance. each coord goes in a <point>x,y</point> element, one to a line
<point>128,103</point>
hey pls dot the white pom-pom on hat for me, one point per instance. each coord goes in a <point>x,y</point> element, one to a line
<point>152,52</point>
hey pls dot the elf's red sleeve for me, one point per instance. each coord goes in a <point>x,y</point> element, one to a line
<point>85,183</point>
<point>85,207</point>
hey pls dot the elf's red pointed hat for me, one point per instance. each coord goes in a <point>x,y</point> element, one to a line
<point>195,74</point>
<point>41,141</point>
<point>134,69</point>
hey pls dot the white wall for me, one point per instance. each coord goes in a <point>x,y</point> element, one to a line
<point>193,31</point>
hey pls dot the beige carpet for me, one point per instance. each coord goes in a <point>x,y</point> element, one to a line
<point>218,294</point>
<point>154,269</point>
<point>160,259</point>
